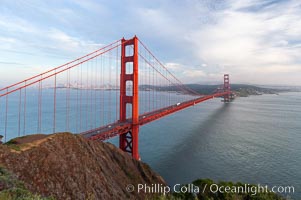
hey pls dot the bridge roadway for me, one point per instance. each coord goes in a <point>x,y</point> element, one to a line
<point>118,128</point>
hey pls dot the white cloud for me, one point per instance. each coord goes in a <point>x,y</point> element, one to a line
<point>36,48</point>
<point>15,24</point>
<point>186,73</point>
<point>248,42</point>
<point>194,74</point>
<point>63,41</point>
<point>173,66</point>
<point>26,34</point>
<point>91,6</point>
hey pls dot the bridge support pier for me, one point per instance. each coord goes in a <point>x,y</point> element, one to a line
<point>129,141</point>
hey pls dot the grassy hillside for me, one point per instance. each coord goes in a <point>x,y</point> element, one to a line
<point>13,189</point>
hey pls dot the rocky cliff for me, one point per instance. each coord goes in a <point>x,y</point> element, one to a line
<point>67,166</point>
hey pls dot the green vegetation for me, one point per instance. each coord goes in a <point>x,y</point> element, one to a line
<point>209,195</point>
<point>13,189</point>
<point>13,144</point>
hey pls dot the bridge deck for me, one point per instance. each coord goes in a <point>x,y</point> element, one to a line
<point>118,128</point>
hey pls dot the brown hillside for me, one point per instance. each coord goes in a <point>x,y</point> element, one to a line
<point>68,166</point>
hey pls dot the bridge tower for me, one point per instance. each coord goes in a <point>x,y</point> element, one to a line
<point>128,141</point>
<point>227,88</point>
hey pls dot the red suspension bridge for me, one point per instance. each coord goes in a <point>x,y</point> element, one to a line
<point>109,92</point>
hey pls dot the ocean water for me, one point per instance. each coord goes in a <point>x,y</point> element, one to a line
<point>253,140</point>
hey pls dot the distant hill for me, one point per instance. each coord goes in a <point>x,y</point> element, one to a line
<point>242,90</point>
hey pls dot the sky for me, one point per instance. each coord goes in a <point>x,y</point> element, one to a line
<point>255,41</point>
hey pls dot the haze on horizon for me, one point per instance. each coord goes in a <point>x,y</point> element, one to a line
<point>255,41</point>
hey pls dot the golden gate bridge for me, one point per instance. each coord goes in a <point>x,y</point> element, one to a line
<point>110,92</point>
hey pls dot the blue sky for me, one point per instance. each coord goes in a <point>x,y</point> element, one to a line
<point>256,41</point>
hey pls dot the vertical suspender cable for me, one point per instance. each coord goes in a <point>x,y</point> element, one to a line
<point>81,97</point>
<point>19,118</point>
<point>39,107</point>
<point>103,88</point>
<point>6,112</point>
<point>91,94</point>
<point>24,110</point>
<point>77,102</point>
<point>116,83</point>
<point>54,105</point>
<point>149,85</point>
<point>95,89</point>
<point>87,95</point>
<point>110,97</point>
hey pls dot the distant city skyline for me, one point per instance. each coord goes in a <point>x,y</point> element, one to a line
<point>255,41</point>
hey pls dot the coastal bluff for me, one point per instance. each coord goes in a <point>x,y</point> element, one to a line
<point>68,166</point>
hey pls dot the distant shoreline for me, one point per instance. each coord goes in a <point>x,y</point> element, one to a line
<point>240,90</point>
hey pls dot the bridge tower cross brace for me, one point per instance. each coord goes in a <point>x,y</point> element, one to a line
<point>128,141</point>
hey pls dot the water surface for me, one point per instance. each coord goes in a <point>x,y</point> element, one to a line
<point>253,140</point>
